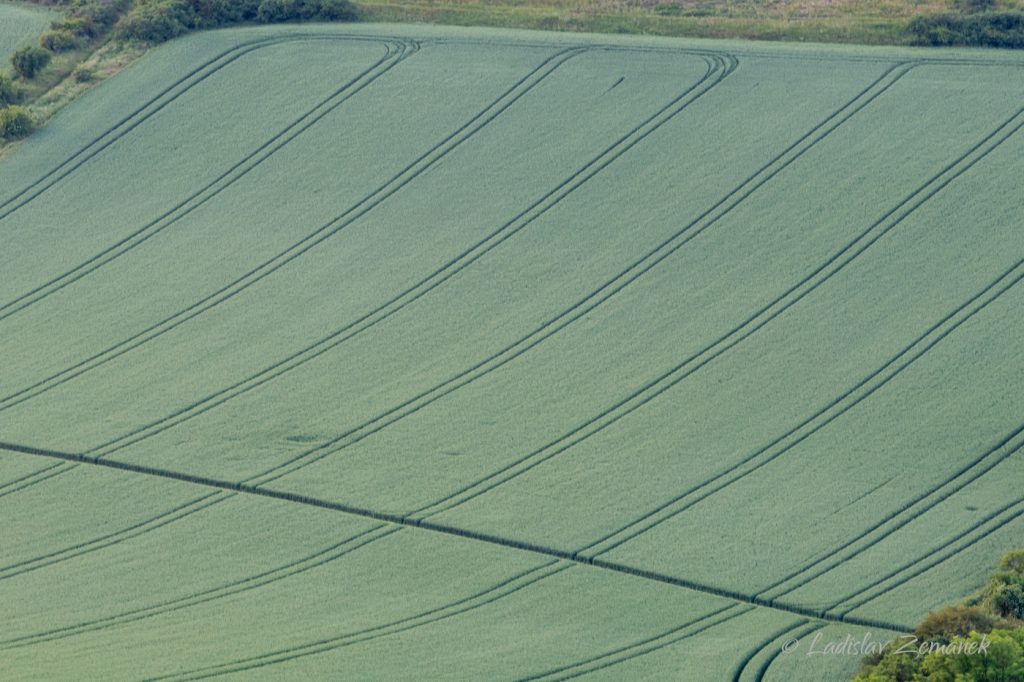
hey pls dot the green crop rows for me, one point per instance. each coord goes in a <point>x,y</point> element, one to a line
<point>378,352</point>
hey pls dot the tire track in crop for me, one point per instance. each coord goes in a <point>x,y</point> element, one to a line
<point>718,69</point>
<point>422,163</point>
<point>76,550</point>
<point>817,421</point>
<point>234,587</point>
<point>394,55</point>
<point>1011,511</point>
<point>567,54</point>
<point>797,636</point>
<point>974,470</point>
<point>398,181</point>
<point>976,298</point>
<point>579,309</point>
<point>633,650</point>
<point>29,480</point>
<point>655,387</point>
<point>406,521</point>
<point>490,595</point>
<point>134,119</point>
<point>737,672</point>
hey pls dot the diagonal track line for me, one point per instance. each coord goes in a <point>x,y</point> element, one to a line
<point>392,57</point>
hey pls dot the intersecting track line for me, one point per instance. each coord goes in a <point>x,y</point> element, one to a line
<point>407,522</point>
<point>551,63</point>
<point>214,187</point>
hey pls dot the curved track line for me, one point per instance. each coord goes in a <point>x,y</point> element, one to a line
<point>817,421</point>
<point>580,308</point>
<point>490,595</point>
<point>798,635</point>
<point>423,524</point>
<point>436,278</point>
<point>627,649</point>
<point>236,172</point>
<point>125,125</point>
<point>832,556</point>
<point>737,672</point>
<point>409,173</point>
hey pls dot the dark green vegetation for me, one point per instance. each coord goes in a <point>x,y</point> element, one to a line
<point>391,352</point>
<point>995,612</point>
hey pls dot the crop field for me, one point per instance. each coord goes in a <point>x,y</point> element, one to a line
<point>379,352</point>
<point>21,25</point>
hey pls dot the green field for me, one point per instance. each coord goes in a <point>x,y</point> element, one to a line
<point>21,25</point>
<point>381,352</point>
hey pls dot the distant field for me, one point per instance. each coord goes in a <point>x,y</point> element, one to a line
<point>21,25</point>
<point>391,352</point>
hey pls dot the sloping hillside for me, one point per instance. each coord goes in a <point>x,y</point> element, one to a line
<point>379,352</point>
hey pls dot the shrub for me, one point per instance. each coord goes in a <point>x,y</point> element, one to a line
<point>101,14</point>
<point>28,61</point>
<point>276,11</point>
<point>990,29</point>
<point>1005,592</point>
<point>154,23</point>
<point>9,93</point>
<point>59,40</point>
<point>975,5</point>
<point>83,27</point>
<point>15,122</point>
<point>954,621</point>
<point>83,75</point>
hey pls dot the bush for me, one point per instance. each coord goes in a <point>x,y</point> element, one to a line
<point>28,61</point>
<point>990,29</point>
<point>1005,592</point>
<point>83,75</point>
<point>276,11</point>
<point>59,41</point>
<point>101,14</point>
<point>9,93</point>
<point>83,27</point>
<point>15,122</point>
<point>954,621</point>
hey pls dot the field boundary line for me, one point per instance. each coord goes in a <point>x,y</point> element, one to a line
<point>439,528</point>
